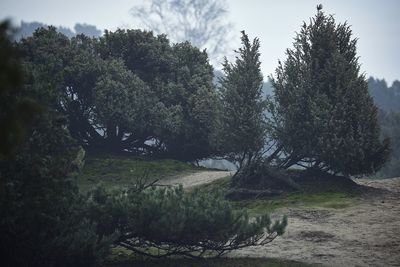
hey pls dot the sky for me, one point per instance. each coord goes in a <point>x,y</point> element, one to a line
<point>375,23</point>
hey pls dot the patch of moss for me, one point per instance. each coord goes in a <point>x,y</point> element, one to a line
<point>327,200</point>
<point>308,199</point>
<point>121,171</point>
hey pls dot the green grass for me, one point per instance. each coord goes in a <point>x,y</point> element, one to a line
<point>324,200</point>
<point>121,171</point>
<point>121,257</point>
<point>330,200</point>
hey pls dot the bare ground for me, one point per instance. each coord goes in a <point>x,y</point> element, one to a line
<point>197,178</point>
<point>365,234</point>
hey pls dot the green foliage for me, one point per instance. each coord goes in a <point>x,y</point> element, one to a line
<point>193,92</point>
<point>324,115</point>
<point>126,91</point>
<point>170,222</point>
<point>243,125</point>
<point>16,112</point>
<point>41,217</point>
<point>42,220</point>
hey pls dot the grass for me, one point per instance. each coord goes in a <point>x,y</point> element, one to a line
<point>121,257</point>
<point>325,200</point>
<point>121,171</point>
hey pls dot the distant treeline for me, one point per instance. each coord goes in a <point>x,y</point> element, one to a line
<point>27,29</point>
<point>387,100</point>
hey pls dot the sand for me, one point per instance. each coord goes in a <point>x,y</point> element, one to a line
<point>364,234</point>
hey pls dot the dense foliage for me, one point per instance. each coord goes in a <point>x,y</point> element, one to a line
<point>130,91</point>
<point>107,100</point>
<point>324,115</point>
<point>15,111</point>
<point>160,222</point>
<point>42,216</point>
<point>127,91</point>
<point>243,129</point>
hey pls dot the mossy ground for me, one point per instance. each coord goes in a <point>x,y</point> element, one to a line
<point>121,171</point>
<point>328,200</point>
<point>334,199</point>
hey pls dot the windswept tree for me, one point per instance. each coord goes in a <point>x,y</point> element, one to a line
<point>128,91</point>
<point>167,222</point>
<point>325,117</point>
<point>201,22</point>
<point>243,129</point>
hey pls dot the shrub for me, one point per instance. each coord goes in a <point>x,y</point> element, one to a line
<point>161,222</point>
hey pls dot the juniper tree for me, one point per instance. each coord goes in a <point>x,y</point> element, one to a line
<point>325,117</point>
<point>243,124</point>
<point>128,91</point>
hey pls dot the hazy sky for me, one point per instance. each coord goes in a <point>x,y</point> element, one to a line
<point>375,23</point>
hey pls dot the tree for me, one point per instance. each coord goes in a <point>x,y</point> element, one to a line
<point>324,115</point>
<point>15,112</point>
<point>202,23</point>
<point>179,81</point>
<point>164,222</point>
<point>243,127</point>
<point>128,91</point>
<point>42,222</point>
<point>198,101</point>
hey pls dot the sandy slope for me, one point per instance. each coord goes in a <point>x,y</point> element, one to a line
<point>197,178</point>
<point>366,234</point>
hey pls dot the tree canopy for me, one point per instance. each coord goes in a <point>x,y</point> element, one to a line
<point>325,117</point>
<point>243,129</point>
<point>128,91</point>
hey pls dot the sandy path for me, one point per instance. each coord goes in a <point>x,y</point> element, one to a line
<point>197,178</point>
<point>366,234</point>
